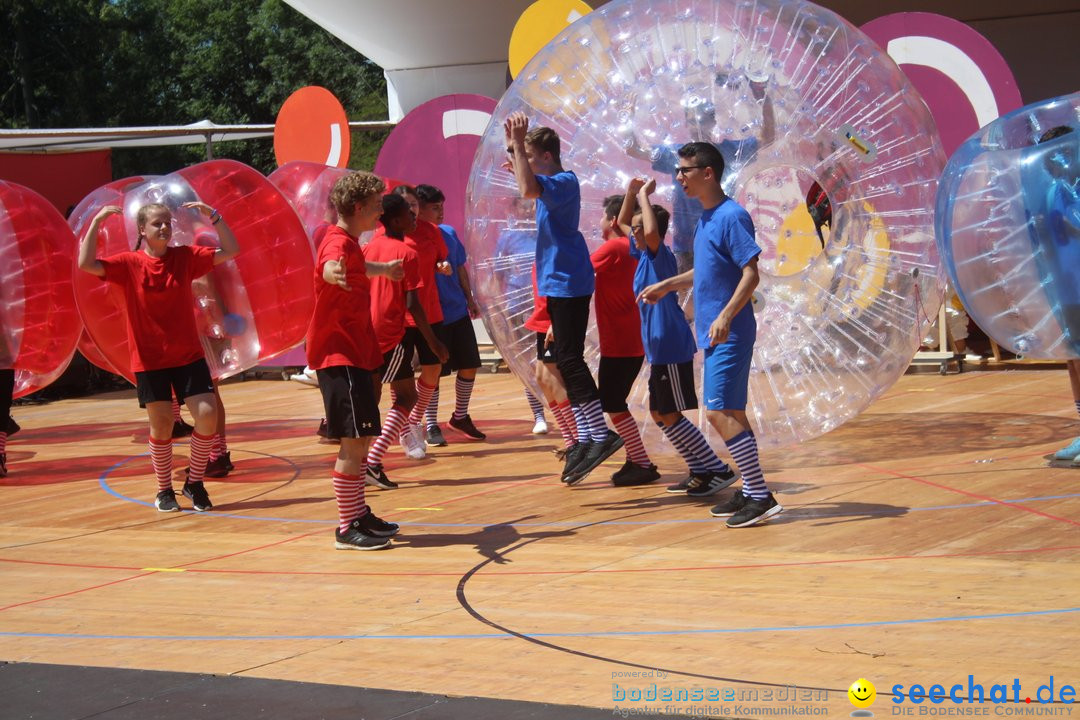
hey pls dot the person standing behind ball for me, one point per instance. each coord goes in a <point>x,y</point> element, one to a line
<point>166,355</point>
<point>565,277</point>
<point>1061,224</point>
<point>724,277</point>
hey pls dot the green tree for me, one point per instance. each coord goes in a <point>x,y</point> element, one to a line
<point>79,63</point>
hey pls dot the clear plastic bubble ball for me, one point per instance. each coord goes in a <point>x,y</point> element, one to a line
<point>247,309</point>
<point>1008,221</point>
<point>307,185</point>
<point>793,95</point>
<point>39,323</point>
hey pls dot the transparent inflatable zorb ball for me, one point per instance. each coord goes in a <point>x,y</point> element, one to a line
<point>1008,223</point>
<point>793,95</point>
<point>248,309</point>
<point>39,324</point>
<point>307,185</point>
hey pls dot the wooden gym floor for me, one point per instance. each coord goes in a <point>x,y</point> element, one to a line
<point>926,541</point>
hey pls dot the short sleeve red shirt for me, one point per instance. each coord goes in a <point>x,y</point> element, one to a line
<point>160,306</point>
<point>340,332</point>
<point>618,321</point>
<point>388,296</point>
<point>430,247</point>
<point>539,321</point>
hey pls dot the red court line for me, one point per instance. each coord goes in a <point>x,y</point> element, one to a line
<point>985,498</point>
<point>76,592</point>
<point>585,571</point>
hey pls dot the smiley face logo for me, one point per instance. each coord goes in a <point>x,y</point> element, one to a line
<point>862,693</point>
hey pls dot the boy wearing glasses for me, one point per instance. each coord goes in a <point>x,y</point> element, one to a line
<point>565,277</point>
<point>724,277</point>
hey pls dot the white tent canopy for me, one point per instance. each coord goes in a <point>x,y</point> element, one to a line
<point>426,48</point>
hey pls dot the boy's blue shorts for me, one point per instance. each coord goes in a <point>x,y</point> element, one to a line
<point>727,375</point>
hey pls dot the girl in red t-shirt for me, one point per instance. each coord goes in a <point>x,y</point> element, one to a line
<point>166,355</point>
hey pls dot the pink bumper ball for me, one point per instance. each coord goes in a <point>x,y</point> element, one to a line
<point>39,324</point>
<point>248,309</point>
<point>307,186</point>
<point>108,341</point>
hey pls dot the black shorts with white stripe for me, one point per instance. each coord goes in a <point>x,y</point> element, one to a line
<point>397,363</point>
<point>349,402</point>
<point>671,388</point>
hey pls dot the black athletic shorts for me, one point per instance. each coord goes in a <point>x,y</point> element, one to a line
<point>185,380</point>
<point>616,377</point>
<point>349,402</point>
<point>671,388</point>
<point>459,337</point>
<point>544,353</point>
<point>397,363</point>
<point>425,354</point>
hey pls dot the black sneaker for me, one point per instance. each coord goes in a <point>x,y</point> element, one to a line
<point>465,425</point>
<point>196,493</point>
<point>355,539</point>
<point>166,501</point>
<point>626,467</point>
<point>3,465</point>
<point>574,455</point>
<point>435,436</point>
<point>219,467</point>
<point>755,511</point>
<point>733,505</point>
<point>710,483</point>
<point>321,432</point>
<point>375,527</point>
<point>377,476</point>
<point>12,426</point>
<point>682,486</point>
<point>637,475</point>
<point>597,453</point>
<point>180,429</point>
<point>228,461</point>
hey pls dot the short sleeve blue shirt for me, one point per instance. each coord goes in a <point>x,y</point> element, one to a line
<point>723,245</point>
<point>563,268</point>
<point>451,296</point>
<point>686,210</point>
<point>664,331</point>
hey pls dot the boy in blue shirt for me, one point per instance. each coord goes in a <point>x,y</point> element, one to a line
<point>724,277</point>
<point>669,345</point>
<point>564,276</point>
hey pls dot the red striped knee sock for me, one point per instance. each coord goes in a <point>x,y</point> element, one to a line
<point>161,460</point>
<point>423,399</point>
<point>628,430</point>
<point>349,493</point>
<point>198,456</point>
<point>395,421</point>
<point>564,417</point>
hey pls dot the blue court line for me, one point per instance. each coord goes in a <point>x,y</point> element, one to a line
<point>804,512</point>
<point>608,633</point>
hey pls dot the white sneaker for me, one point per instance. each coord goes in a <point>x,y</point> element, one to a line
<point>305,379</point>
<point>412,443</point>
<point>540,428</point>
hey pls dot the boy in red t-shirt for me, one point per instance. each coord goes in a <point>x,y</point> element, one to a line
<point>166,355</point>
<point>427,241</point>
<point>389,303</point>
<point>343,350</point>
<point>618,324</point>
